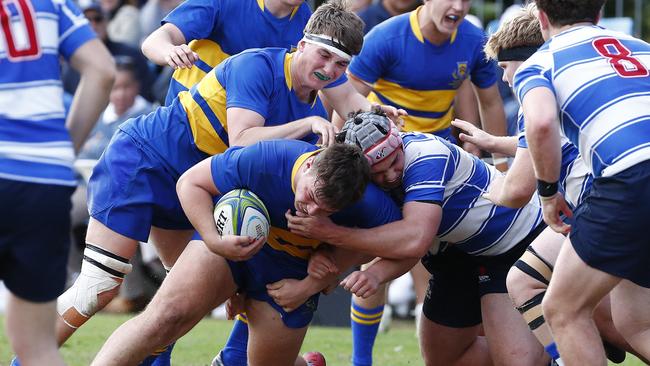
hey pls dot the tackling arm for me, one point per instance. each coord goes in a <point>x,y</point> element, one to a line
<point>410,237</point>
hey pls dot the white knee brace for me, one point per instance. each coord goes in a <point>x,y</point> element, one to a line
<point>101,271</point>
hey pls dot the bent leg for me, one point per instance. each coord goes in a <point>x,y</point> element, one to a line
<point>199,281</point>
<point>631,315</point>
<point>574,292</point>
<point>509,339</point>
<point>271,342</point>
<point>105,263</point>
<point>446,346</point>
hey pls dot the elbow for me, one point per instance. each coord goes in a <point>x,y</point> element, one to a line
<point>418,247</point>
<point>516,196</point>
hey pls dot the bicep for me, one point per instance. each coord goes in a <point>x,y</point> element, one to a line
<point>92,56</point>
<point>200,176</point>
<point>425,216</point>
<point>241,119</point>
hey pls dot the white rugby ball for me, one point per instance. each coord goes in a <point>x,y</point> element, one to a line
<point>241,212</point>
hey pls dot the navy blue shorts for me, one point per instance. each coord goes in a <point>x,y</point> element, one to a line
<point>459,280</point>
<point>34,238</point>
<point>610,231</point>
<point>133,188</point>
<point>268,266</point>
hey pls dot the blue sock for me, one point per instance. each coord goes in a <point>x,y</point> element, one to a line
<point>365,324</point>
<point>161,357</point>
<point>234,352</point>
<point>552,351</point>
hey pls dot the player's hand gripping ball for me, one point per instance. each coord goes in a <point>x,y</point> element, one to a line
<point>241,212</point>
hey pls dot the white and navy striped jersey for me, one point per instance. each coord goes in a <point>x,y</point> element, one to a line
<point>601,83</point>
<point>575,177</point>
<point>436,170</point>
<point>34,143</point>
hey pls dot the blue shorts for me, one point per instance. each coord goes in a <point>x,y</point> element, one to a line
<point>609,230</point>
<point>268,266</point>
<point>459,280</point>
<point>34,238</point>
<point>133,186</point>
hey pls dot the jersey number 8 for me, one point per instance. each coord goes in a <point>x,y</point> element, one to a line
<point>625,65</point>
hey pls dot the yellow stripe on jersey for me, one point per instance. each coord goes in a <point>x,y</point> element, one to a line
<point>427,101</point>
<point>295,245</point>
<point>209,52</point>
<point>214,95</point>
<point>301,159</point>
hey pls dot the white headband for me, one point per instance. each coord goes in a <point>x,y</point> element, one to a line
<point>329,43</point>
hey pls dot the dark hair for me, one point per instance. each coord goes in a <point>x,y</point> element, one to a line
<point>567,12</point>
<point>334,19</point>
<point>342,172</point>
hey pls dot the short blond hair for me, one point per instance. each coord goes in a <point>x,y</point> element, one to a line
<point>522,30</point>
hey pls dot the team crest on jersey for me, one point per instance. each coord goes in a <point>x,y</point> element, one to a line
<point>459,75</point>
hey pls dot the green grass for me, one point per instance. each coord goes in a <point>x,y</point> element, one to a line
<point>398,347</point>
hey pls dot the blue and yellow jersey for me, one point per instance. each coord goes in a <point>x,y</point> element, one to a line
<point>258,80</point>
<point>407,71</point>
<point>218,29</point>
<point>268,168</point>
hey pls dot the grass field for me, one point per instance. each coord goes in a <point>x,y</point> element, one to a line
<point>398,347</point>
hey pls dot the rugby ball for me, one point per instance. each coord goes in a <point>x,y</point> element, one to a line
<point>241,212</point>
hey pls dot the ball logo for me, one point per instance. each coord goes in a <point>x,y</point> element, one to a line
<point>221,222</point>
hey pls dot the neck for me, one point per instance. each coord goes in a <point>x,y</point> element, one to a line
<point>553,30</point>
<point>277,8</point>
<point>429,30</point>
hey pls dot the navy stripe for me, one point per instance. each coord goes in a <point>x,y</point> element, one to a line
<point>214,121</point>
<point>44,68</point>
<point>20,130</point>
<point>203,66</point>
<point>621,143</point>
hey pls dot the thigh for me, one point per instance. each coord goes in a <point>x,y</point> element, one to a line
<point>199,281</point>
<point>630,310</point>
<point>576,286</point>
<point>509,339</point>
<point>271,342</point>
<point>34,238</point>
<point>170,243</point>
<point>444,345</point>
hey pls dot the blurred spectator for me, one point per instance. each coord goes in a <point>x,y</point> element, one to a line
<point>152,13</point>
<point>384,9</point>
<point>98,21</point>
<point>358,5</point>
<point>123,21</point>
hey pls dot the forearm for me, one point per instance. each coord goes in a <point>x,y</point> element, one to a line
<point>97,73</point>
<point>159,44</point>
<point>493,121</point>
<point>542,133</point>
<point>292,130</point>
<point>389,269</point>
<point>396,240</point>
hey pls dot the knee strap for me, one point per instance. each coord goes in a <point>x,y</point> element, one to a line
<point>101,271</point>
<point>535,266</point>
<point>531,310</point>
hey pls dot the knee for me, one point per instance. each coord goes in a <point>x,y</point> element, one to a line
<point>173,312</point>
<point>522,287</point>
